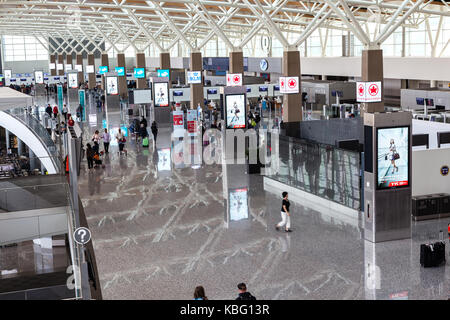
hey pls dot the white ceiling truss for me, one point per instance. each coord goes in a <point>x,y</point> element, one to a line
<point>78,24</point>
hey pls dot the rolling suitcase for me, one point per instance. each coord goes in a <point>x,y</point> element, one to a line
<point>145,142</point>
<point>432,255</point>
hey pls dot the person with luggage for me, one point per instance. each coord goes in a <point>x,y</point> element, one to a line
<point>243,293</point>
<point>120,137</point>
<point>96,139</point>
<point>106,140</point>
<point>144,135</point>
<point>285,214</point>
<point>90,153</point>
<point>154,129</point>
<point>199,293</point>
<point>144,122</point>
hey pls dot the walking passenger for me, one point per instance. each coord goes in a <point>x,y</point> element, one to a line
<point>285,215</point>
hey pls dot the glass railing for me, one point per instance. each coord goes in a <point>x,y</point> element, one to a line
<point>322,170</point>
<point>14,166</point>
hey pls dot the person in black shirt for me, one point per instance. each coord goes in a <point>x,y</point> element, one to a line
<point>243,294</point>
<point>285,214</point>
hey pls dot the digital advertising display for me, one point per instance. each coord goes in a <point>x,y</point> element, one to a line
<point>161,94</point>
<point>238,204</point>
<point>39,77</point>
<point>120,71</point>
<point>139,73</point>
<point>102,69</point>
<point>393,157</point>
<point>8,74</point>
<point>112,87</point>
<point>194,77</point>
<point>73,80</point>
<point>235,108</point>
<point>164,159</point>
<point>163,73</point>
<point>90,69</point>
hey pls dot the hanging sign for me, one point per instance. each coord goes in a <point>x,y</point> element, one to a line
<point>368,91</point>
<point>234,79</point>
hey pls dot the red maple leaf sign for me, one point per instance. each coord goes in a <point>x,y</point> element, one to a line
<point>292,83</point>
<point>373,90</point>
<point>361,90</point>
<point>236,79</point>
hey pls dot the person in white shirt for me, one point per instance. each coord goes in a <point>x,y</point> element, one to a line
<point>121,140</point>
<point>106,140</point>
<point>64,112</point>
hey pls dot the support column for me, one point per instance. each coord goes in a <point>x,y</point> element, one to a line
<point>91,76</point>
<point>140,63</point>
<point>20,147</point>
<point>69,60</point>
<point>292,103</point>
<point>80,74</point>
<point>372,70</point>
<point>164,60</point>
<point>61,61</point>
<point>104,62</point>
<point>196,64</point>
<point>237,62</point>
<point>53,60</point>
<point>8,143</point>
<point>123,90</point>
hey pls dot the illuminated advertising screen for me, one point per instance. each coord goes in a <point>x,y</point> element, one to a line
<point>103,69</point>
<point>112,87</point>
<point>73,80</point>
<point>393,157</point>
<point>139,73</point>
<point>238,204</point>
<point>164,159</point>
<point>161,94</point>
<point>8,74</point>
<point>120,71</point>
<point>90,69</point>
<point>164,73</point>
<point>235,108</point>
<point>39,77</point>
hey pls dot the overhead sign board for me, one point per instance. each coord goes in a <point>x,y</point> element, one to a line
<point>52,66</point>
<point>139,73</point>
<point>289,85</point>
<point>164,73</point>
<point>79,67</point>
<point>194,77</point>
<point>368,91</point>
<point>120,71</point>
<point>68,67</point>
<point>234,79</point>
<point>90,69</point>
<point>60,66</point>
<point>103,69</point>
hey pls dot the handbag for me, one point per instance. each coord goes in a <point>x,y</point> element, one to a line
<point>396,156</point>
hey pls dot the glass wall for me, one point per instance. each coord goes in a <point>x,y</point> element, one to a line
<point>20,48</point>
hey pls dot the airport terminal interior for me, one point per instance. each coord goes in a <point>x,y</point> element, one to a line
<point>171,150</point>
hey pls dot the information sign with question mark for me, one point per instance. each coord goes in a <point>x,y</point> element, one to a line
<point>82,235</point>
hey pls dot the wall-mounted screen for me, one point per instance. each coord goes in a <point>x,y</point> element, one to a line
<point>52,66</point>
<point>102,69</point>
<point>112,87</point>
<point>212,91</point>
<point>263,89</point>
<point>164,73</point>
<point>235,108</point>
<point>79,67</point>
<point>393,157</point>
<point>238,204</point>
<point>90,69</point>
<point>420,101</point>
<point>249,89</point>
<point>194,77</point>
<point>60,66</point>
<point>73,80</point>
<point>141,96</point>
<point>161,94</point>
<point>120,71</point>
<point>177,93</point>
<point>139,73</point>
<point>429,102</point>
<point>68,67</point>
<point>276,88</point>
<point>39,77</point>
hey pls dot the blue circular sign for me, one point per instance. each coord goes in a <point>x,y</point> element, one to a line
<point>263,64</point>
<point>444,170</point>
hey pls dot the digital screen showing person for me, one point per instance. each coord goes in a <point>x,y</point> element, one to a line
<point>238,204</point>
<point>73,80</point>
<point>39,77</point>
<point>161,94</point>
<point>393,157</point>
<point>235,107</point>
<point>164,159</point>
<point>112,87</point>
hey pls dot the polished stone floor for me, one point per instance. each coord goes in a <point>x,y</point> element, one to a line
<point>159,231</point>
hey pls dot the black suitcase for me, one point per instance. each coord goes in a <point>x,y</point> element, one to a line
<point>130,112</point>
<point>432,255</point>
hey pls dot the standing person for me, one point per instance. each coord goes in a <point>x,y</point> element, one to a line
<point>121,140</point>
<point>199,293</point>
<point>285,214</point>
<point>96,139</point>
<point>64,111</point>
<point>106,140</point>
<point>243,294</point>
<point>49,110</point>
<point>90,153</point>
<point>154,130</point>
<point>55,111</point>
<point>144,122</point>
